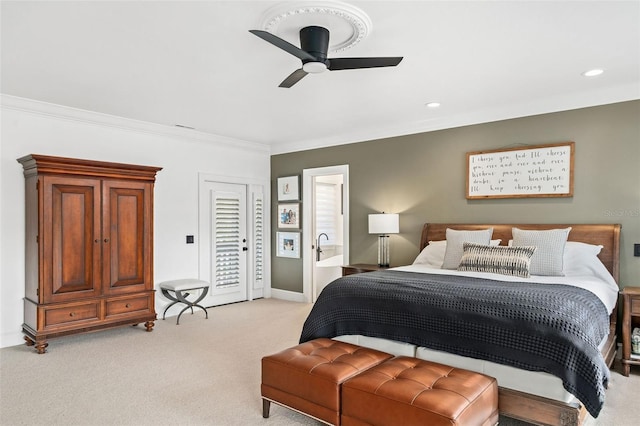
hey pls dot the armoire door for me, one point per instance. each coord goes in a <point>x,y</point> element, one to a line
<point>69,238</point>
<point>126,236</point>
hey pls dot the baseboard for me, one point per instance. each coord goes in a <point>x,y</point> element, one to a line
<point>11,339</point>
<point>291,296</point>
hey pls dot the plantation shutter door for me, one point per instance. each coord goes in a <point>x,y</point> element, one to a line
<point>229,242</point>
<point>258,240</point>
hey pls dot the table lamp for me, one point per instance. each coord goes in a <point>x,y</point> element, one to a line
<point>384,224</point>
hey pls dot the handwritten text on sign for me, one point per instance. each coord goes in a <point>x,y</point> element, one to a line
<point>541,171</point>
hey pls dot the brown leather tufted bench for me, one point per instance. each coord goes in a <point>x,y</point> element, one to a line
<point>410,391</point>
<point>307,378</point>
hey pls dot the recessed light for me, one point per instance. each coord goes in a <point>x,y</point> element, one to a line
<point>593,72</point>
<point>433,104</point>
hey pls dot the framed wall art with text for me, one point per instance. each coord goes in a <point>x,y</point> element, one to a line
<point>526,171</point>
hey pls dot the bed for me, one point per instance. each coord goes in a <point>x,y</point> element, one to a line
<point>554,368</point>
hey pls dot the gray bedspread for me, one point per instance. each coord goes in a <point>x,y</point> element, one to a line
<point>539,327</point>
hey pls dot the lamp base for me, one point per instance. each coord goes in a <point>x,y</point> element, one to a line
<point>383,251</point>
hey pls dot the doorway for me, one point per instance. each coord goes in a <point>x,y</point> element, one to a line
<point>325,227</point>
<point>232,240</point>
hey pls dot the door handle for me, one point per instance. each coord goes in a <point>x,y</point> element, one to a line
<point>244,249</point>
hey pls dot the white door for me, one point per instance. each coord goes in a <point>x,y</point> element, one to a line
<point>318,274</point>
<point>223,235</point>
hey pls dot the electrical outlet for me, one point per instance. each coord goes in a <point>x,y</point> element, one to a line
<point>189,239</point>
<point>636,250</point>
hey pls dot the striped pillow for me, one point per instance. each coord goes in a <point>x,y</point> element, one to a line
<point>497,259</point>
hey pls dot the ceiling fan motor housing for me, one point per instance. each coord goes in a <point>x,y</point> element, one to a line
<point>315,40</point>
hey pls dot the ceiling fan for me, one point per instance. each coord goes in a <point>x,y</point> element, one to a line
<point>314,42</point>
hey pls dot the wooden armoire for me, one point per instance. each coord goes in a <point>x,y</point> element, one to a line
<point>89,247</point>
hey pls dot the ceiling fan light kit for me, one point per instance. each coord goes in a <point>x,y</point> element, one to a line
<point>314,45</point>
<point>312,67</point>
<point>593,73</point>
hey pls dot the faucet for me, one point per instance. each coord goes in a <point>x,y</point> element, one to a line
<point>318,249</point>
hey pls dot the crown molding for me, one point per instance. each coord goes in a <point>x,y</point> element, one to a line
<point>99,119</point>
<point>611,95</point>
<point>588,99</point>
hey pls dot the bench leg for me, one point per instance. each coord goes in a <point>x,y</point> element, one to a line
<point>179,297</point>
<point>266,404</point>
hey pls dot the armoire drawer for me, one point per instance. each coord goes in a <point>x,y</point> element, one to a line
<point>123,306</point>
<point>70,314</point>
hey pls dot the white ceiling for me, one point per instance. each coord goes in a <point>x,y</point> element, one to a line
<point>195,64</point>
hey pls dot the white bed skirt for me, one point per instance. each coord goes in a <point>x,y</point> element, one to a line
<point>531,382</point>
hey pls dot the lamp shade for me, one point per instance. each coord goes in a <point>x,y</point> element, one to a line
<point>384,223</point>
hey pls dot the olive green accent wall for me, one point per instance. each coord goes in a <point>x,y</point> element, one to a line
<point>422,177</point>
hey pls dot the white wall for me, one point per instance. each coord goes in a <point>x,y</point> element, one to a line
<point>36,128</point>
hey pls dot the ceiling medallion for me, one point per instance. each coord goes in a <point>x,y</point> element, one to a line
<point>348,24</point>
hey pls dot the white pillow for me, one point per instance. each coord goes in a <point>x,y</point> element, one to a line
<point>455,240</point>
<point>548,258</point>
<point>433,254</point>
<point>579,259</point>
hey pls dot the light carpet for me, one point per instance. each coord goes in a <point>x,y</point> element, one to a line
<point>201,372</point>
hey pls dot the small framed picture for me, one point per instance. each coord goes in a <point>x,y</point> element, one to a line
<point>289,244</point>
<point>289,215</point>
<point>288,188</point>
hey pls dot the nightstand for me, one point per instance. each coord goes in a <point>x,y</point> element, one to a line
<point>361,267</point>
<point>630,316</point>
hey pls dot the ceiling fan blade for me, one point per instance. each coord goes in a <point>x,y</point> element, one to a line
<point>355,63</point>
<point>293,78</point>
<point>284,45</point>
